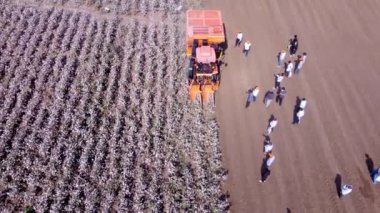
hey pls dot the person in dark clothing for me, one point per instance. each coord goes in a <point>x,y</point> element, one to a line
<point>297,63</point>
<point>269,96</point>
<point>294,45</point>
<point>265,172</point>
<point>280,95</point>
<point>278,78</point>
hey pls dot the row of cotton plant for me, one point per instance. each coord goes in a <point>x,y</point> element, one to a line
<point>98,118</point>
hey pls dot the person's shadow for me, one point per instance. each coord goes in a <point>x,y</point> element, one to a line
<point>338,185</point>
<point>249,98</point>
<point>295,110</point>
<point>370,164</point>
<point>288,210</point>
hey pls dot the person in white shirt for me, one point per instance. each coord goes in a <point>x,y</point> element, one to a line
<point>289,69</point>
<point>272,124</point>
<point>300,114</point>
<point>278,79</point>
<point>281,57</point>
<point>247,47</point>
<point>270,159</point>
<point>255,92</point>
<point>303,103</point>
<point>375,175</point>
<point>252,95</point>
<point>268,146</point>
<point>301,63</point>
<point>239,39</point>
<point>346,189</point>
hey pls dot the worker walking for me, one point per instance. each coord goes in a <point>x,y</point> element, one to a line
<point>255,92</point>
<point>302,61</point>
<point>289,69</point>
<point>303,103</point>
<point>281,57</point>
<point>270,159</point>
<point>346,189</point>
<point>278,78</point>
<point>293,46</point>
<point>252,95</point>
<point>267,162</point>
<point>271,125</point>
<point>375,175</point>
<point>268,146</point>
<point>239,39</point>
<point>297,63</point>
<point>280,95</point>
<point>265,172</point>
<point>268,98</point>
<point>247,47</point>
<point>300,114</point>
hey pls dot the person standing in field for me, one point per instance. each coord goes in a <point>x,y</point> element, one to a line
<point>278,78</point>
<point>267,162</point>
<point>239,39</point>
<point>281,57</point>
<point>300,114</point>
<point>289,69</point>
<point>255,92</point>
<point>293,46</point>
<point>270,159</point>
<point>303,103</point>
<point>346,189</point>
<point>280,95</point>
<point>250,98</point>
<point>252,95</point>
<point>265,172</point>
<point>271,125</point>
<point>297,63</point>
<point>247,47</point>
<point>268,145</point>
<point>268,98</point>
<point>302,61</point>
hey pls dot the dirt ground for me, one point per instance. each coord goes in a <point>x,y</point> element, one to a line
<point>340,80</point>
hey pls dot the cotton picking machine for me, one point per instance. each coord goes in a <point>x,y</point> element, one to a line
<point>205,46</point>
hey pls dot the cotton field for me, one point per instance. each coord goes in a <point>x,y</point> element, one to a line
<point>95,114</point>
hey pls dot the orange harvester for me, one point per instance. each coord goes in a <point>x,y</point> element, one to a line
<point>205,45</point>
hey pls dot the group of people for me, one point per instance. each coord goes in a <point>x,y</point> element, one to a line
<point>268,150</point>
<point>239,40</point>
<point>277,93</point>
<point>290,67</point>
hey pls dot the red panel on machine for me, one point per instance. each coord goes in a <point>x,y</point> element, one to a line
<point>204,22</point>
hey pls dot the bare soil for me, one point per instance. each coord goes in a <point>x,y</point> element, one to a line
<point>340,80</point>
